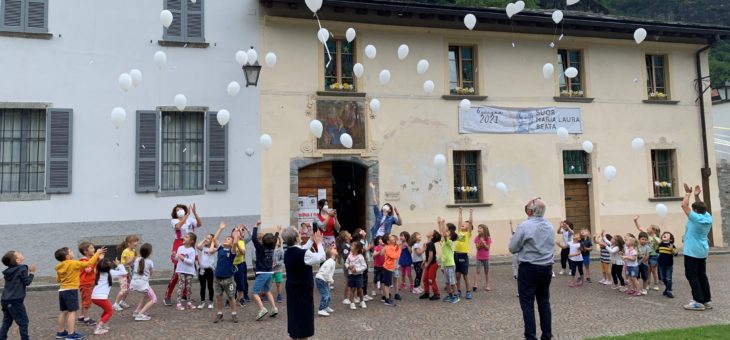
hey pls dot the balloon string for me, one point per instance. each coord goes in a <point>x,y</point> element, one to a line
<point>327,48</point>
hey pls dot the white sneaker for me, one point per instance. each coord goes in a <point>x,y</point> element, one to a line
<point>142,317</point>
<point>117,308</point>
<point>330,310</point>
<point>357,300</point>
<point>134,314</point>
<point>323,313</point>
<point>352,306</point>
<point>201,306</point>
<point>124,304</point>
<point>363,305</point>
<point>562,272</point>
<point>374,293</point>
<point>210,305</point>
<point>366,298</point>
<point>643,292</point>
<point>346,302</point>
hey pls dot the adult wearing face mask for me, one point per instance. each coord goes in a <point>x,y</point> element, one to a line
<point>328,223</point>
<point>385,217</point>
<point>184,220</point>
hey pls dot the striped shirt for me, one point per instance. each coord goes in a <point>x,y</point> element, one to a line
<point>605,255</point>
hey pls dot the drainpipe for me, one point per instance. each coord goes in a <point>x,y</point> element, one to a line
<point>706,171</point>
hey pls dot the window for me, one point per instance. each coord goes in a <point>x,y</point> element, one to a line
<point>575,162</point>
<point>338,71</point>
<point>656,77</point>
<point>663,172</point>
<point>188,21</point>
<point>462,70</point>
<point>570,87</point>
<point>467,177</point>
<point>22,150</point>
<point>29,16</point>
<point>182,151</point>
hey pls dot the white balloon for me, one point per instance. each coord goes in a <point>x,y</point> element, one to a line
<point>166,18</point>
<point>511,10</point>
<point>193,1</point>
<point>323,35</point>
<point>265,141</point>
<point>547,70</point>
<point>314,5</point>
<point>428,86</point>
<point>316,128</point>
<point>136,77</point>
<point>557,16</point>
<point>439,160</point>
<point>465,104</point>
<point>639,35</point>
<point>571,72</point>
<point>403,51</point>
<point>637,144</point>
<point>270,59</point>
<point>502,188</point>
<point>181,102</point>
<point>563,133</point>
<point>346,140</point>
<point>519,6</point>
<point>233,88</point>
<point>572,2</point>
<point>125,82</point>
<point>609,172</point>
<point>384,77</point>
<point>662,210</point>
<point>470,21</point>
<point>370,51</point>
<point>119,115</point>
<point>160,59</point>
<point>252,56</point>
<point>422,66</point>
<point>374,105</point>
<point>241,58</point>
<point>588,146</point>
<point>350,34</point>
<point>358,69</point>
<point>223,117</point>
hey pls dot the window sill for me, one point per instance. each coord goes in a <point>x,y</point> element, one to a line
<point>665,199</point>
<point>27,35</point>
<point>341,94</point>
<point>468,205</point>
<point>577,176</point>
<point>168,43</point>
<point>180,193</point>
<point>463,96</point>
<point>25,196</point>
<point>573,99</point>
<point>660,101</point>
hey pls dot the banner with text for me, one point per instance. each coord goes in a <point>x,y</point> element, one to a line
<point>545,120</point>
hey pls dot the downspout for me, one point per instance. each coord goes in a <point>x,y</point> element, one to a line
<point>706,171</point>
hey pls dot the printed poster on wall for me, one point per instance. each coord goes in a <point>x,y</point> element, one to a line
<point>544,120</point>
<point>307,214</point>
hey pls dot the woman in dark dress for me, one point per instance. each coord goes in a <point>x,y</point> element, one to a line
<point>298,261</point>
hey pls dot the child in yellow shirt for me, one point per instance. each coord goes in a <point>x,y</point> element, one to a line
<point>68,275</point>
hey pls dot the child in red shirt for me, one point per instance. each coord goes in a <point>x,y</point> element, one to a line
<point>392,254</point>
<point>87,277</point>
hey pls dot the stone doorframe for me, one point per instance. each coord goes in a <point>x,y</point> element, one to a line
<point>373,175</point>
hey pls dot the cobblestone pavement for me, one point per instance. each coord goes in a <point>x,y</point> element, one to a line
<point>592,310</point>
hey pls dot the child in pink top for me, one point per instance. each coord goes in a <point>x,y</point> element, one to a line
<point>483,242</point>
<point>378,262</point>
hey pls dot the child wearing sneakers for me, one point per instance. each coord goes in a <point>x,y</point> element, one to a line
<point>378,261</point>
<point>185,270</point>
<point>86,283</point>
<point>129,254</point>
<point>355,265</point>
<point>630,257</point>
<point>643,253</point>
<point>142,270</point>
<point>105,270</point>
<point>278,267</point>
<point>576,260</point>
<point>323,280</point>
<point>392,254</point>
<point>224,273</point>
<point>447,259</point>
<point>68,273</point>
<point>605,259</point>
<point>264,269</point>
<point>418,256</point>
<point>17,276</point>
<point>667,251</point>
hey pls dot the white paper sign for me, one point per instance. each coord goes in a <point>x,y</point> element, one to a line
<point>545,120</point>
<point>307,202</point>
<point>321,194</point>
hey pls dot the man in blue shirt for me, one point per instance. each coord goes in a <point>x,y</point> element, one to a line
<point>696,249</point>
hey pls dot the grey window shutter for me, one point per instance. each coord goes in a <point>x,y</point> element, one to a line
<point>175,31</point>
<point>12,15</point>
<point>58,157</point>
<point>217,154</point>
<point>36,19</point>
<point>146,177</point>
<point>195,23</point>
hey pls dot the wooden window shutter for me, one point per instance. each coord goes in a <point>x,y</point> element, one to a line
<point>12,15</point>
<point>216,148</point>
<point>58,156</point>
<point>194,23</point>
<point>175,31</point>
<point>146,177</point>
<point>36,16</point>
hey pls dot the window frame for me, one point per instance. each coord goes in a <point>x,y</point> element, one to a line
<point>568,81</point>
<point>24,140</point>
<point>651,78</point>
<point>201,144</point>
<point>662,190</point>
<point>462,174</point>
<point>337,60</point>
<point>184,38</point>
<point>566,161</point>
<point>24,28</point>
<point>459,89</point>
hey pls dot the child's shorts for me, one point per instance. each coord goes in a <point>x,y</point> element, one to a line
<point>68,300</point>
<point>450,275</point>
<point>462,263</point>
<point>86,295</point>
<point>354,281</point>
<point>386,277</point>
<point>632,271</point>
<point>262,283</point>
<point>643,271</point>
<point>654,260</point>
<point>586,259</point>
<point>605,267</point>
<point>278,277</point>
<point>225,287</point>
<point>483,264</point>
<point>377,274</point>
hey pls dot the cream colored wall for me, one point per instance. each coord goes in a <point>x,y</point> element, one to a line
<point>412,127</point>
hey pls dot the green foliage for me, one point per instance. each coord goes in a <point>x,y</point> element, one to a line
<point>696,333</point>
<point>720,64</point>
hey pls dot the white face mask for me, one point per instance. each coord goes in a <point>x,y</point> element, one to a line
<point>326,208</point>
<point>180,213</point>
<point>386,209</point>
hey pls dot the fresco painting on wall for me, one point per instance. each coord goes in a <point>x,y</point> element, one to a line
<point>338,117</point>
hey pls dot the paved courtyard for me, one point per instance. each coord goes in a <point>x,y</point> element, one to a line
<point>592,310</point>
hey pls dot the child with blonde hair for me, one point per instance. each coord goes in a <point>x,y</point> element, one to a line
<point>483,242</point>
<point>630,257</point>
<point>129,254</point>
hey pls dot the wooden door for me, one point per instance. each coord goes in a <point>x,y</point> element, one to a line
<point>577,203</point>
<point>314,177</point>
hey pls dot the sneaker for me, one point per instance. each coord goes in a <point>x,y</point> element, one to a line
<point>218,318</point>
<point>390,303</point>
<point>363,305</point>
<point>637,293</point>
<point>694,306</point>
<point>61,335</point>
<point>279,299</point>
<point>468,296</point>
<point>330,310</point>
<point>455,299</point>
<point>424,296</point>
<point>644,292</point>
<point>90,322</point>
<point>167,302</point>
<point>562,272</point>
<point>446,298</point>
<point>397,297</point>
<point>117,308</point>
<point>142,317</point>
<point>383,298</point>
<point>134,314</point>
<point>234,318</point>
<point>210,305</point>
<point>261,314</point>
<point>274,312</point>
<point>622,289</point>
<point>100,331</point>
<point>374,293</point>
<point>75,336</point>
<point>615,287</point>
<point>435,297</point>
<point>630,292</point>
<point>356,300</point>
<point>347,301</point>
<point>242,302</point>
<point>353,307</point>
<point>580,282</point>
<point>179,307</point>
<point>80,320</point>
<point>323,313</point>
<point>656,287</point>
<point>201,306</point>
<point>708,305</point>
<point>191,306</point>
<point>516,275</point>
